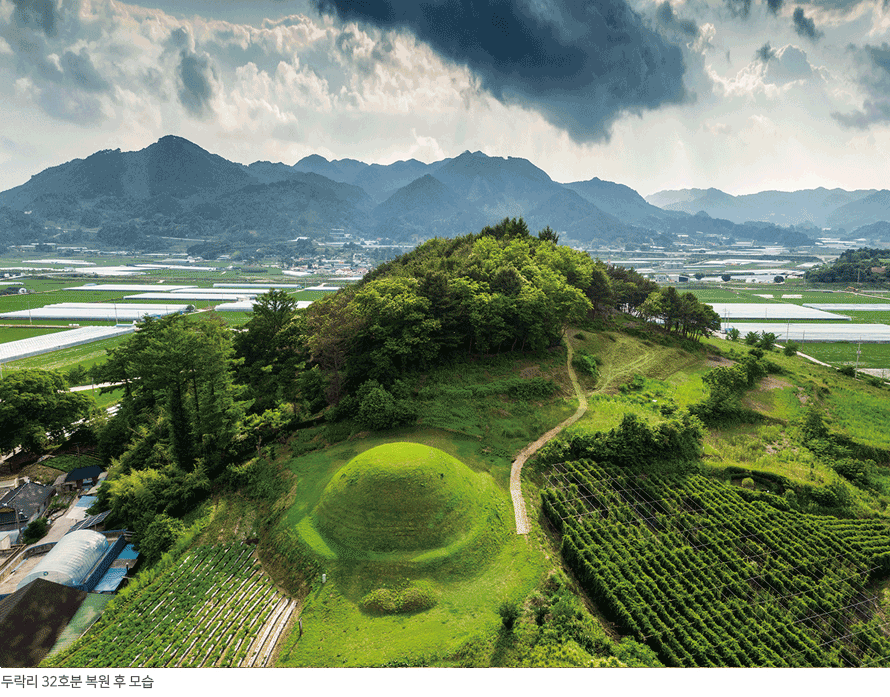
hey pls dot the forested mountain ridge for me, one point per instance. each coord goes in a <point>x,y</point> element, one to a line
<point>174,188</point>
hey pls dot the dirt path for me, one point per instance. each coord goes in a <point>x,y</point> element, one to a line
<point>522,527</point>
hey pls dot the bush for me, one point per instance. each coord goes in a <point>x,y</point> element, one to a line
<point>416,597</point>
<point>847,370</point>
<point>790,348</point>
<point>509,612</point>
<point>35,531</point>
<point>585,363</point>
<point>733,334</point>
<point>751,338</point>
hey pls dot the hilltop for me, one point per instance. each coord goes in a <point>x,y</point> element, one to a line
<point>369,451</point>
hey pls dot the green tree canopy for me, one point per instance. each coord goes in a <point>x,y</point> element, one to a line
<point>36,408</point>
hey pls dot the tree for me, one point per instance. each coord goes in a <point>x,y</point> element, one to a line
<point>779,279</point>
<point>790,348</point>
<point>599,292</point>
<point>767,341</point>
<point>35,531</point>
<point>726,278</point>
<point>36,408</point>
<point>158,537</point>
<point>751,338</point>
<point>733,334</point>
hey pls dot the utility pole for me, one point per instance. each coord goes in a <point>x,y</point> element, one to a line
<point>858,351</point>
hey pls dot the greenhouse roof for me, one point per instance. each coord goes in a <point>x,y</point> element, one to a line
<point>817,331</point>
<point>729,311</point>
<point>848,307</point>
<point>70,560</point>
<point>23,348</point>
<point>108,312</point>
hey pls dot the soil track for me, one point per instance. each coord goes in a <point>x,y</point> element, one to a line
<point>522,527</point>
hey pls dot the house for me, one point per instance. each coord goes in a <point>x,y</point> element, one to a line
<point>24,503</point>
<point>79,479</point>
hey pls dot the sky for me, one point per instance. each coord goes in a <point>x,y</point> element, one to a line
<point>741,95</point>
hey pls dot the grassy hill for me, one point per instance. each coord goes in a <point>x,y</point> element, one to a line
<point>399,563</point>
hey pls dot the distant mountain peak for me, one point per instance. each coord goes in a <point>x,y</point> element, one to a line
<point>313,160</point>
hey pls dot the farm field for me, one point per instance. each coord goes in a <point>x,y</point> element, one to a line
<point>209,607</point>
<point>710,577</point>
<point>844,353</point>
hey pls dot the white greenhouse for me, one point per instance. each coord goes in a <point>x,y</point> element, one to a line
<point>767,311</point>
<point>818,332</point>
<point>34,346</point>
<point>97,312</point>
<point>71,560</point>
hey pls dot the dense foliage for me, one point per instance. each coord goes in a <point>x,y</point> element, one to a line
<point>864,265</point>
<point>36,408</point>
<point>178,420</point>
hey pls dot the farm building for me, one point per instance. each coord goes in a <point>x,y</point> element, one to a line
<point>86,560</point>
<point>31,620</point>
<point>8,538</point>
<point>79,479</point>
<point>24,503</point>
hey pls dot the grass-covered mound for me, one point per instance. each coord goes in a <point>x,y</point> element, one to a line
<point>399,498</point>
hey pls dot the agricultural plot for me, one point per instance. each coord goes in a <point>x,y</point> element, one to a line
<point>24,348</point>
<point>844,353</point>
<point>709,577</point>
<point>107,312</point>
<point>805,332</point>
<point>213,607</point>
<point>771,311</point>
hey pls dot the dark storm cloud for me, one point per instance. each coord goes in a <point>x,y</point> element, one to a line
<point>874,79</point>
<point>79,69</point>
<point>765,52</point>
<point>804,26</point>
<point>667,18</point>
<point>195,83</point>
<point>580,65</point>
<point>37,14</point>
<point>774,6</point>
<point>739,8</point>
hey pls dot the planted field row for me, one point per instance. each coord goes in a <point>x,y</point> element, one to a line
<point>706,577</point>
<point>209,609</point>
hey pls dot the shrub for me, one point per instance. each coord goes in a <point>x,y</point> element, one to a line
<point>509,612</point>
<point>585,363</point>
<point>751,338</point>
<point>791,348</point>
<point>35,531</point>
<point>847,370</point>
<point>733,334</point>
<point>386,601</point>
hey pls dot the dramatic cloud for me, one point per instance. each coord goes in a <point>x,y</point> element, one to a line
<point>804,26</point>
<point>788,64</point>
<point>79,69</point>
<point>196,78</point>
<point>765,52</point>
<point>774,6</point>
<point>874,79</point>
<point>668,18</point>
<point>36,14</point>
<point>739,8</point>
<point>580,65</point>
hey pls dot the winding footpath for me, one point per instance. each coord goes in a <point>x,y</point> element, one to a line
<point>522,527</point>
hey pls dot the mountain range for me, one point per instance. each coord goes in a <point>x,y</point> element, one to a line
<point>176,188</point>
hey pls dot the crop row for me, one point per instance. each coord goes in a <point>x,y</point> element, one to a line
<point>707,578</point>
<point>204,610</point>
